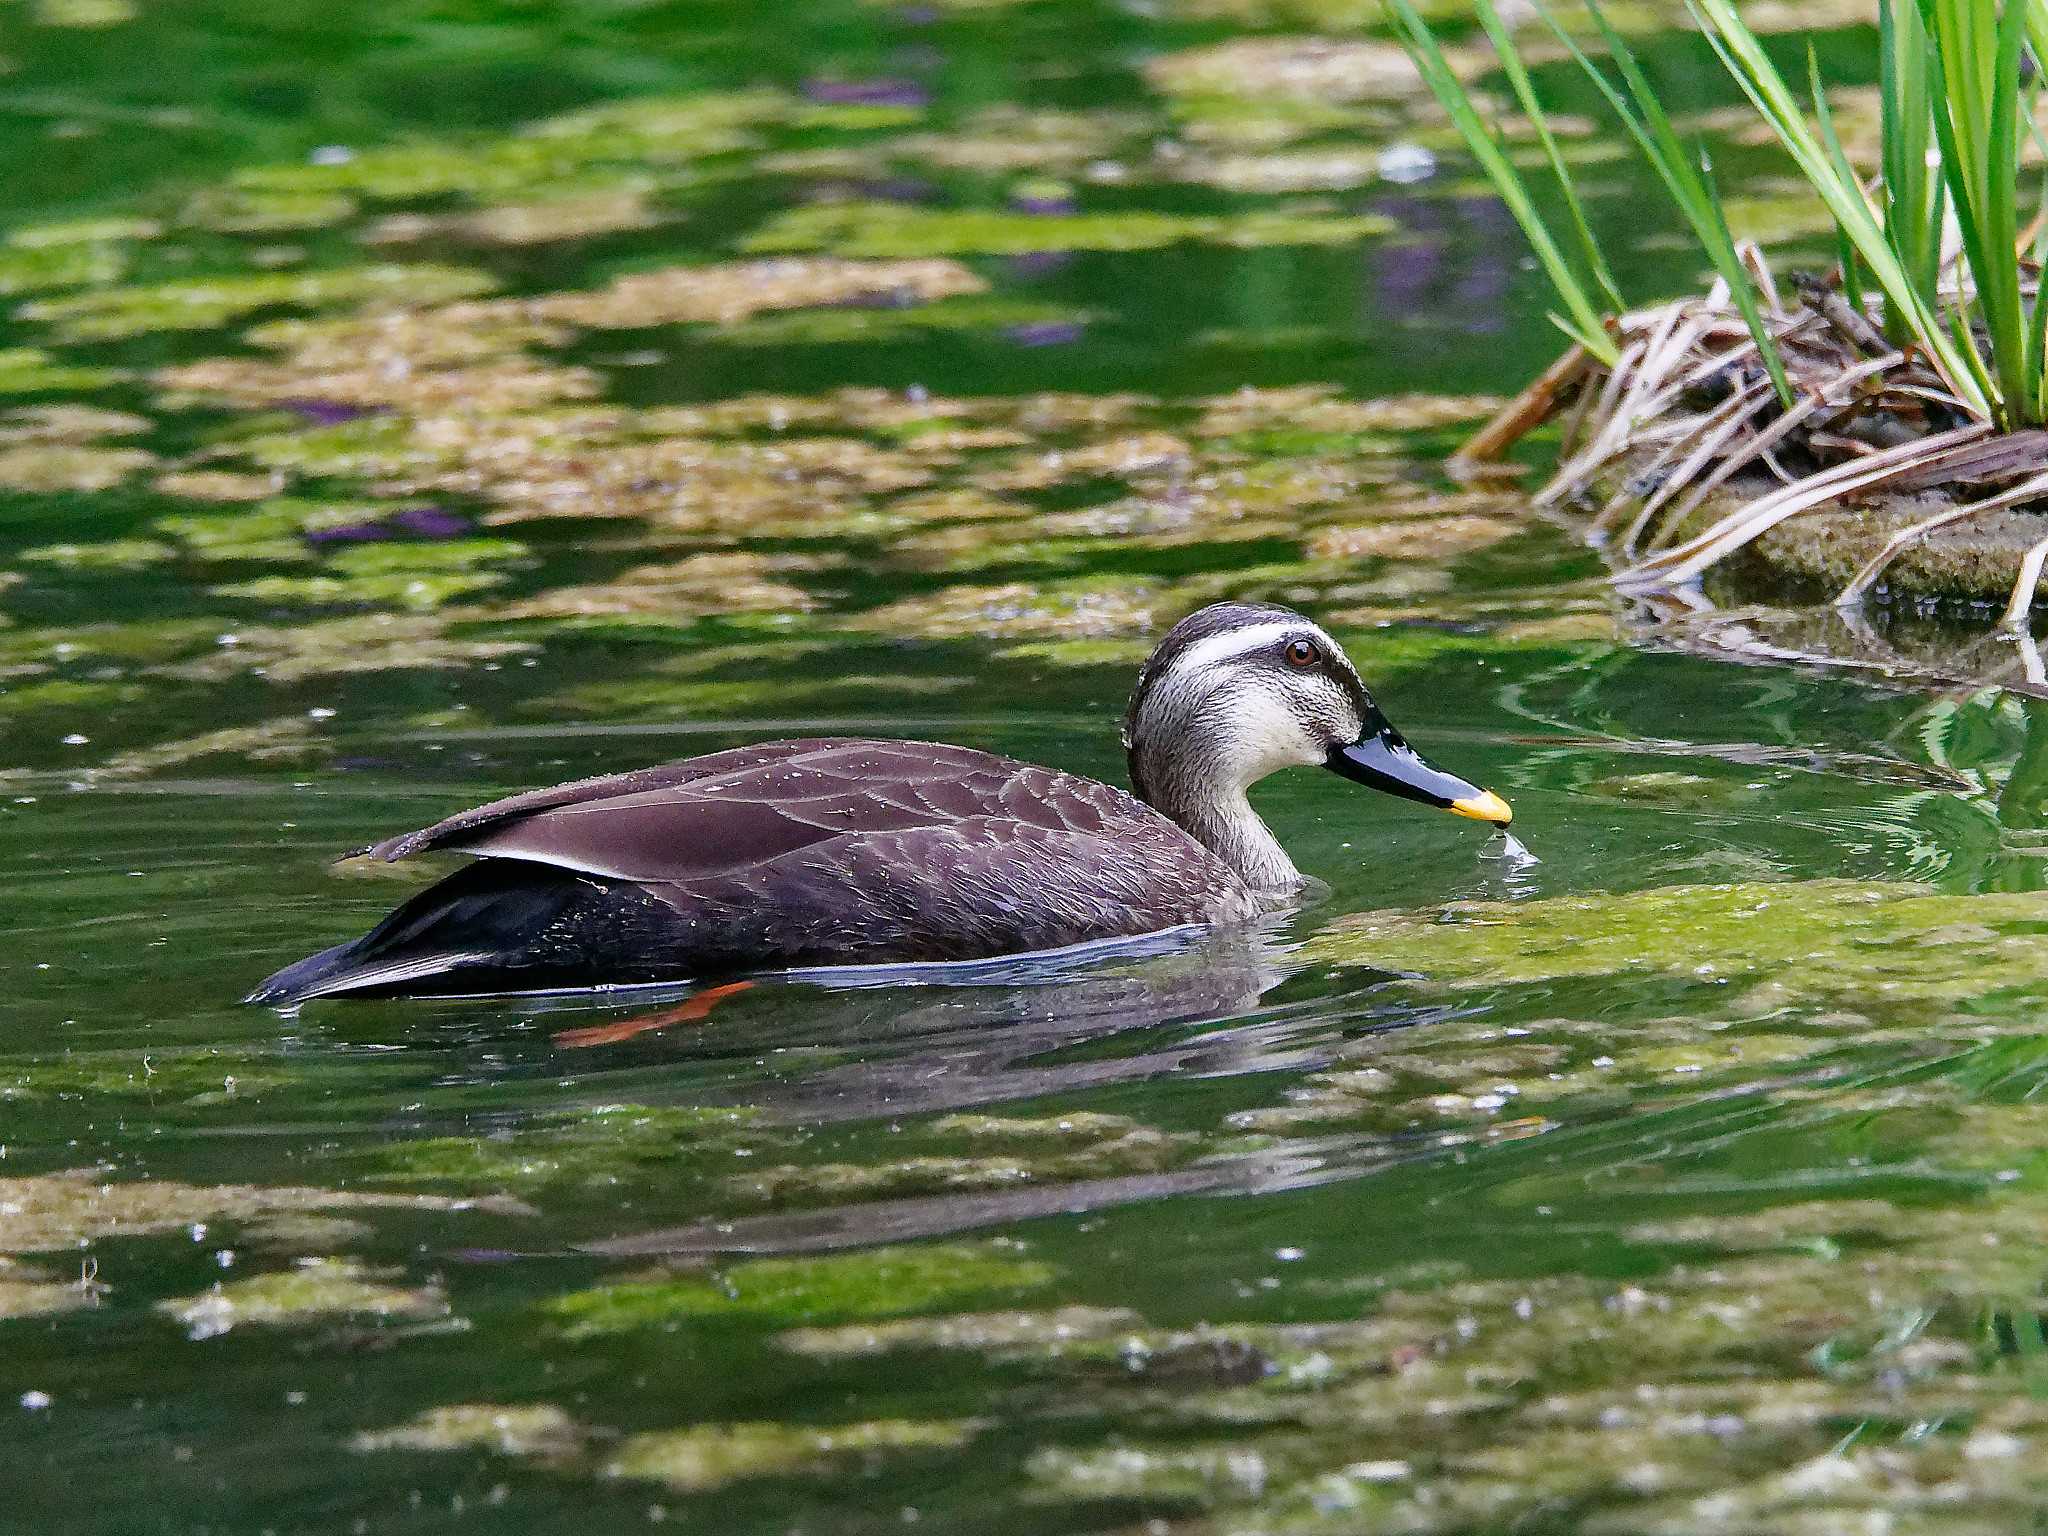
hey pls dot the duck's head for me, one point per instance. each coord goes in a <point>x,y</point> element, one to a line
<point>1237,691</point>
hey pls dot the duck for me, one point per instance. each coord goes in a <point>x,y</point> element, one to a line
<point>827,852</point>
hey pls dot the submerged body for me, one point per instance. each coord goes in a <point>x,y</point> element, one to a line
<point>829,851</point>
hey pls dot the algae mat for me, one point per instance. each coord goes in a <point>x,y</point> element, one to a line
<point>399,405</point>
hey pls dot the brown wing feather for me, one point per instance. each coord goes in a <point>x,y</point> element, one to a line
<point>456,830</point>
<point>821,852</point>
<point>728,812</point>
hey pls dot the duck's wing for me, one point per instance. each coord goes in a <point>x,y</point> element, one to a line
<point>461,831</point>
<point>797,853</point>
<point>728,812</point>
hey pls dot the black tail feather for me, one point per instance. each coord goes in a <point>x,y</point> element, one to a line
<point>494,925</point>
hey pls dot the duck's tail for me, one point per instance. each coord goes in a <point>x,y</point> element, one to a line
<point>482,929</point>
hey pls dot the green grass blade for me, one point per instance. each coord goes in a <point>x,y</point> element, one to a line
<point>1845,251</point>
<point>2037,320</point>
<point>1766,89</point>
<point>2006,310</point>
<point>1525,93</point>
<point>1912,221</point>
<point>1690,187</point>
<point>1586,325</point>
<point>1959,328</point>
<point>1975,114</point>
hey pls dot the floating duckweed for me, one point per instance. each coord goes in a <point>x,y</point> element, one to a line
<point>988,1332</point>
<point>84,13</point>
<point>1505,1385</point>
<point>272,531</point>
<point>420,591</point>
<point>19,698</point>
<point>810,487</point>
<point>1829,938</point>
<point>371,642</point>
<point>664,127</point>
<point>43,468</point>
<point>671,698</point>
<point>200,304</point>
<point>538,1431</point>
<point>495,168</point>
<point>1079,1127</point>
<point>1079,653</point>
<point>1424,538</point>
<point>587,1149</point>
<point>217,485</point>
<point>382,558</point>
<point>1198,1475</point>
<point>854,116</point>
<point>468,332</point>
<point>835,327</point>
<point>700,1459</point>
<point>237,210</point>
<point>1564,628</point>
<point>885,230</point>
<point>507,384</point>
<point>312,1291</point>
<point>572,214</point>
<point>1312,225</point>
<point>68,423</point>
<point>1009,138</point>
<point>712,583</point>
<point>411,575</point>
<point>1295,170</point>
<point>1086,608</point>
<point>288,738</point>
<point>880,1282</point>
<point>1797,1226</point>
<point>728,293</point>
<point>1669,788</point>
<point>1140,1150</point>
<point>36,268</point>
<point>30,371</point>
<point>375,443</point>
<point>107,555</point>
<point>1310,69</point>
<point>1318,408</point>
<point>140,641</point>
<point>716,1455</point>
<point>27,1292</point>
<point>90,231</point>
<point>50,1212</point>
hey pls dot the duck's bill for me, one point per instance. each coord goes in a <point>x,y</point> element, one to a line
<point>1386,762</point>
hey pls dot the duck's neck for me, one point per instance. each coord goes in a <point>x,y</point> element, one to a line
<point>1216,814</point>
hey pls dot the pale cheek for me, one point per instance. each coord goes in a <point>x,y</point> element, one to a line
<point>1271,742</point>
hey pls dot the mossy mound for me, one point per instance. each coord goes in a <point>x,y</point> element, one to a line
<point>1975,559</point>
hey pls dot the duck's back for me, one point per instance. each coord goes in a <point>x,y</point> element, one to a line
<point>821,851</point>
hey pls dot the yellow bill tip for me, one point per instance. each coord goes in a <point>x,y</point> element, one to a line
<point>1484,806</point>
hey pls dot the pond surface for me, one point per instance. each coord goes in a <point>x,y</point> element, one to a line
<point>405,404</point>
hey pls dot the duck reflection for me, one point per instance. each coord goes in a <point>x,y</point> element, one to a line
<point>926,1040</point>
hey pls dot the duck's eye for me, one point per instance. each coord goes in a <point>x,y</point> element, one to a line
<point>1301,653</point>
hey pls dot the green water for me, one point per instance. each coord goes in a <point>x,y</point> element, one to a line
<point>387,422</point>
